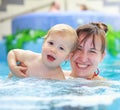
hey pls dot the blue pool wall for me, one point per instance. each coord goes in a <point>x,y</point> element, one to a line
<point>33,46</point>
<point>3,52</point>
<point>44,20</point>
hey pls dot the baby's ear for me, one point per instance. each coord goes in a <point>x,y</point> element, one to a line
<point>69,56</point>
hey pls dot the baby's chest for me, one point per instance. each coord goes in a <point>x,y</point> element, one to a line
<point>33,69</point>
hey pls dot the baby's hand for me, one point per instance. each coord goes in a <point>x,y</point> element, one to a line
<point>20,71</point>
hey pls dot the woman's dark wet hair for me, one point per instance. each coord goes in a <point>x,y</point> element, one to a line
<point>93,29</point>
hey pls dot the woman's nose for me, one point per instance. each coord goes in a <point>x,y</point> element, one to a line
<point>83,56</point>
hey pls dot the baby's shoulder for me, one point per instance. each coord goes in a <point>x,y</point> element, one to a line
<point>32,55</point>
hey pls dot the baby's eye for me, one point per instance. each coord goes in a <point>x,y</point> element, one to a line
<point>61,48</point>
<point>51,43</point>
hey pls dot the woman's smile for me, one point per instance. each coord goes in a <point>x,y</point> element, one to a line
<point>82,66</point>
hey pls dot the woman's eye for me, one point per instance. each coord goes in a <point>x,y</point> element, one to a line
<point>93,51</point>
<point>79,48</point>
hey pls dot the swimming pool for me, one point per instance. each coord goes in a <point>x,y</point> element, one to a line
<point>71,94</point>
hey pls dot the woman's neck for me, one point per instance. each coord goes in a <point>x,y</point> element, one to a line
<point>91,77</point>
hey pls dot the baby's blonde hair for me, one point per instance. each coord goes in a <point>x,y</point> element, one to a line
<point>66,30</point>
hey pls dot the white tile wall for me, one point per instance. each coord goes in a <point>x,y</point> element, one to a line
<point>5,27</point>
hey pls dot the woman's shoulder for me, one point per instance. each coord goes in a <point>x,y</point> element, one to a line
<point>99,78</point>
<point>66,72</point>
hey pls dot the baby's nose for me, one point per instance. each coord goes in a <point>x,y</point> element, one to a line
<point>54,50</point>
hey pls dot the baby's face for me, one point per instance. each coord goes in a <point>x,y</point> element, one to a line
<point>56,48</point>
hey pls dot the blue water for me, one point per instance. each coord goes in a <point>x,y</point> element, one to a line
<point>71,94</point>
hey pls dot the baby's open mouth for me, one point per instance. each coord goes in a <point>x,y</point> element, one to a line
<point>50,58</point>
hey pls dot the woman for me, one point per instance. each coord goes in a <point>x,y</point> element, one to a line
<point>90,51</point>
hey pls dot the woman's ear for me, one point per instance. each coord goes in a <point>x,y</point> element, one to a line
<point>102,56</point>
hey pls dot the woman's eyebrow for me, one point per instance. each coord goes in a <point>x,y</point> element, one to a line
<point>94,49</point>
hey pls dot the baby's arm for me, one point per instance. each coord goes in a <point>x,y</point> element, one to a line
<point>14,56</point>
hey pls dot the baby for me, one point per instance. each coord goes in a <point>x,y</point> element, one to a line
<point>59,44</point>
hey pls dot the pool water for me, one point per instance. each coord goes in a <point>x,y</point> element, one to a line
<point>71,94</point>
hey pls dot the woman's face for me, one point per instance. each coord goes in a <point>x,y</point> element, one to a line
<point>86,58</point>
